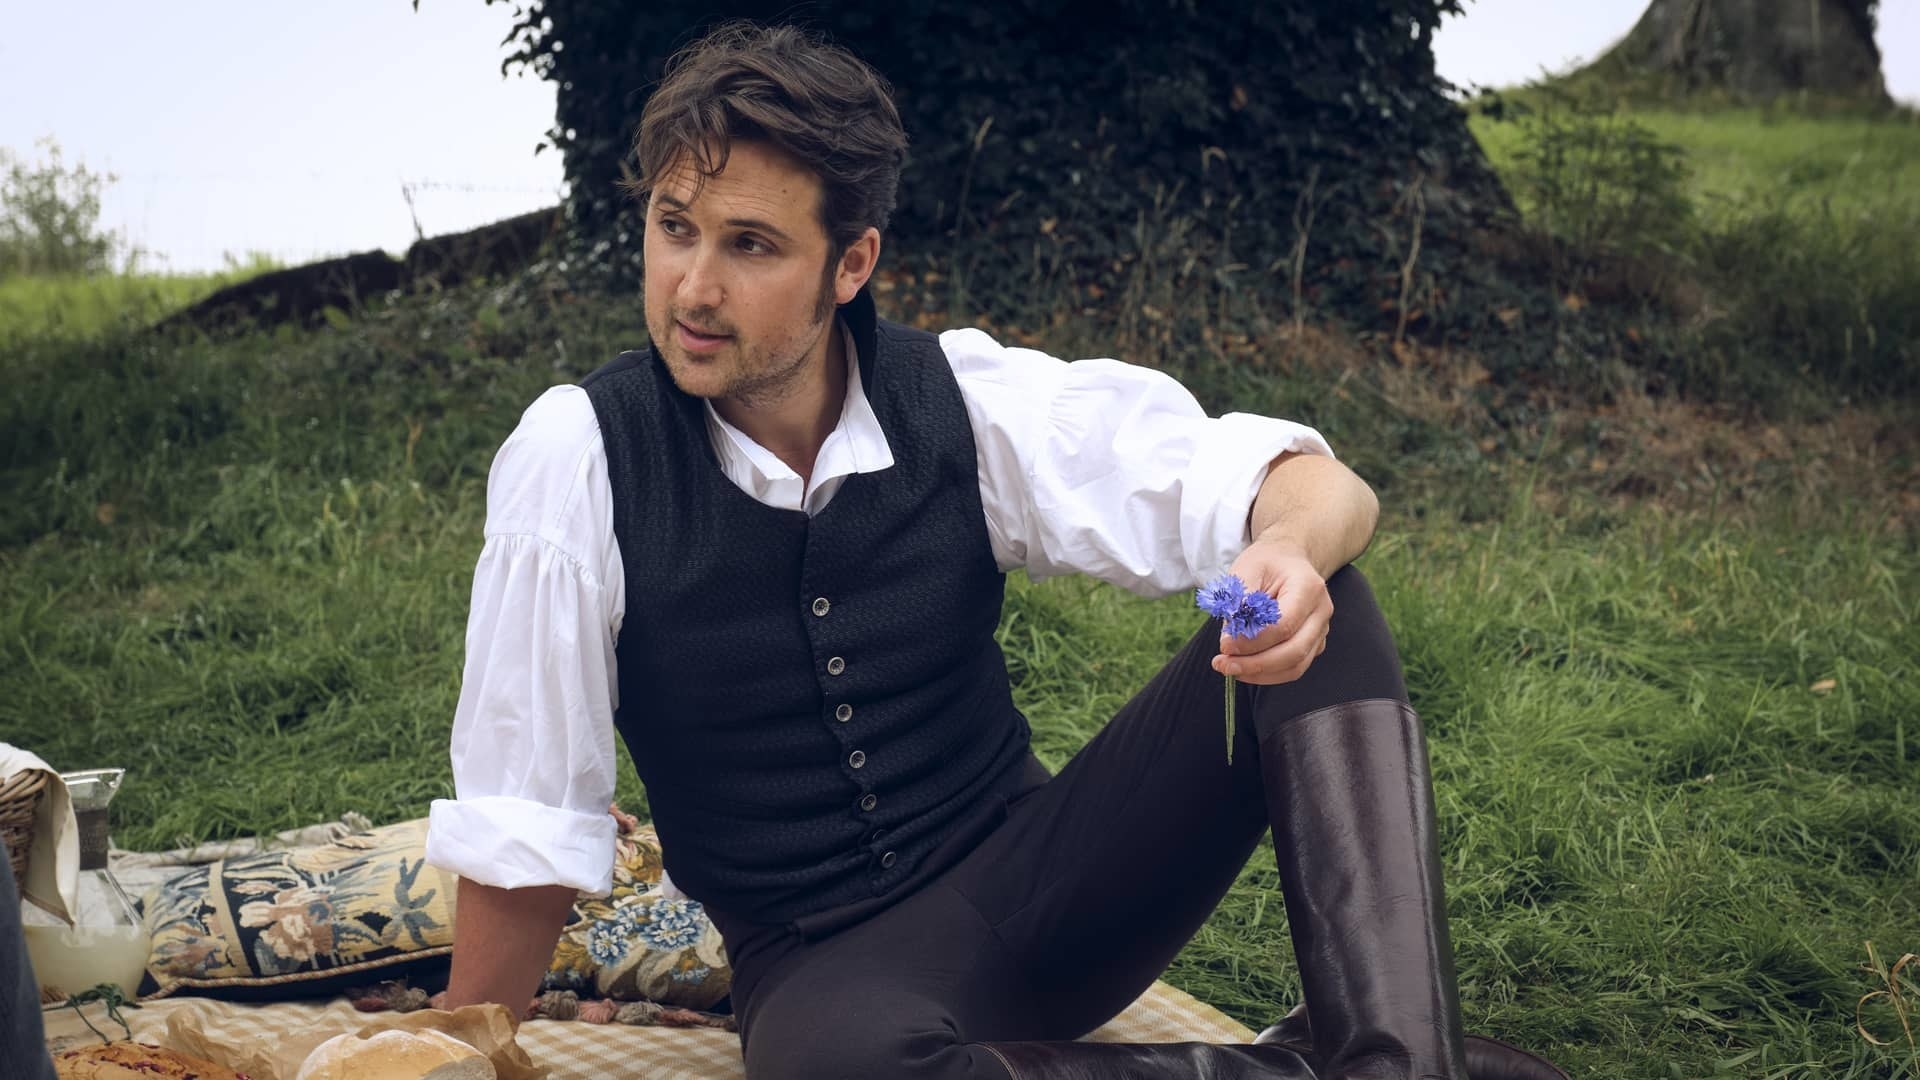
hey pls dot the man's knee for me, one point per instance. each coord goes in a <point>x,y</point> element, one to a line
<point>852,1032</point>
<point>1356,613</point>
<point>1361,659</point>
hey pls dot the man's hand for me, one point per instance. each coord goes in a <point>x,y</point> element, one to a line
<point>1311,517</point>
<point>1282,652</point>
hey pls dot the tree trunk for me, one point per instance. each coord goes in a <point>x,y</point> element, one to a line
<point>1759,49</point>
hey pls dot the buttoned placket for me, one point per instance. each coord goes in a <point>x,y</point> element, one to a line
<point>836,667</point>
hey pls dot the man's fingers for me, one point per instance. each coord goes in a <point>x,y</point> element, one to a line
<point>1298,602</point>
<point>1302,647</point>
<point>1253,646</point>
<point>1287,660</point>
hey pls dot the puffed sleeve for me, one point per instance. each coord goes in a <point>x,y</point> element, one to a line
<point>1110,469</point>
<point>532,746</point>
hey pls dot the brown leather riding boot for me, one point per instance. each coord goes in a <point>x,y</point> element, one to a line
<point>1487,1058</point>
<point>1282,1052</point>
<point>1351,802</point>
<point>1350,799</point>
<point>1149,1061</point>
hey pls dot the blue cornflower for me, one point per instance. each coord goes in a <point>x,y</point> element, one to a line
<point>1257,612</point>
<point>1222,596</point>
<point>1243,613</point>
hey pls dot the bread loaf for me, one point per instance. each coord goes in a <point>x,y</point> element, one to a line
<point>136,1061</point>
<point>396,1055</point>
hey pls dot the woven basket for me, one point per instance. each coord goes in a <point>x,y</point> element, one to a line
<point>19,801</point>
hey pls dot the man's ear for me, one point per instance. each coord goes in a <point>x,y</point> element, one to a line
<point>856,265</point>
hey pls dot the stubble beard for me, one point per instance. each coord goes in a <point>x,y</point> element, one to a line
<point>757,380</point>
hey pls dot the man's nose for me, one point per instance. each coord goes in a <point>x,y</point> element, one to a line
<point>701,286</point>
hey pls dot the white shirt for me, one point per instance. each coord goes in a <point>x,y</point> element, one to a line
<point>1094,467</point>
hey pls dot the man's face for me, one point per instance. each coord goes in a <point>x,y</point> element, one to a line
<point>737,294</point>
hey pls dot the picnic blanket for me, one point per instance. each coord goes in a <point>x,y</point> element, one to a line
<point>580,1051</point>
<point>572,1049</point>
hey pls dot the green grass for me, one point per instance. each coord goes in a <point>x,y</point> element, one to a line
<point>1852,163</point>
<point>241,568</point>
<point>89,308</point>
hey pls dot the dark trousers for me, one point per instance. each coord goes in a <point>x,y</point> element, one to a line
<point>1069,909</point>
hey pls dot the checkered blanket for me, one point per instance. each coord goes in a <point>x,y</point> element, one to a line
<point>581,1051</point>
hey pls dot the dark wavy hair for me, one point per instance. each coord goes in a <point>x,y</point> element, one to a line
<point>789,88</point>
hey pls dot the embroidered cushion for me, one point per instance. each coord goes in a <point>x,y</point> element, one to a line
<point>302,921</point>
<point>636,944</point>
<point>367,907</point>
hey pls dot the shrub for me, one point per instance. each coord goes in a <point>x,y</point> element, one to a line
<point>1795,285</point>
<point>1595,180</point>
<point>50,216</point>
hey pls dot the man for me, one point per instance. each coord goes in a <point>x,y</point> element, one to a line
<point>769,552</point>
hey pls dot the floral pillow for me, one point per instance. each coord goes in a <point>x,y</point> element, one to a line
<point>636,944</point>
<point>367,907</point>
<point>323,916</point>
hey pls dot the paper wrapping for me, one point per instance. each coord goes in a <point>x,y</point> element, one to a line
<point>53,855</point>
<point>487,1028</point>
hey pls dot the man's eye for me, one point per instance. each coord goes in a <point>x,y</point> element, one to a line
<point>672,226</point>
<point>754,246</point>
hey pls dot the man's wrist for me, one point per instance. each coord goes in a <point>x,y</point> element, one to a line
<point>1315,506</point>
<point>1285,542</point>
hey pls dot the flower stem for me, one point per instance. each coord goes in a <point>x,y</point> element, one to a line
<point>1230,719</point>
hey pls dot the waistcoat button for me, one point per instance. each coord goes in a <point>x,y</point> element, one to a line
<point>887,861</point>
<point>844,713</point>
<point>820,605</point>
<point>868,802</point>
<point>836,665</point>
<point>857,758</point>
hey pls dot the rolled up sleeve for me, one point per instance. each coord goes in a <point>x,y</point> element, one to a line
<point>1218,483</point>
<point>1110,469</point>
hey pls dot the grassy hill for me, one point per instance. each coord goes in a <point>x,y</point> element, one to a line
<point>1856,163</point>
<point>1766,254</point>
<point>44,309</point>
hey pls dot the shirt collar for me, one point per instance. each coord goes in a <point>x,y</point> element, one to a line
<point>857,444</point>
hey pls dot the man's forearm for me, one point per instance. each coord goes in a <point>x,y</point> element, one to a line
<point>503,941</point>
<point>1318,505</point>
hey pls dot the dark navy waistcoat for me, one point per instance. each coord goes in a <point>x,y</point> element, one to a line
<point>815,705</point>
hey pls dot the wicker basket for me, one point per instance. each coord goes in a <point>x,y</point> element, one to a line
<point>19,801</point>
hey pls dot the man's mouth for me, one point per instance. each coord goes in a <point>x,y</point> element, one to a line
<point>698,339</point>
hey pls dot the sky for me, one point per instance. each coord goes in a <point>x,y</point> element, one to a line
<point>303,129</point>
